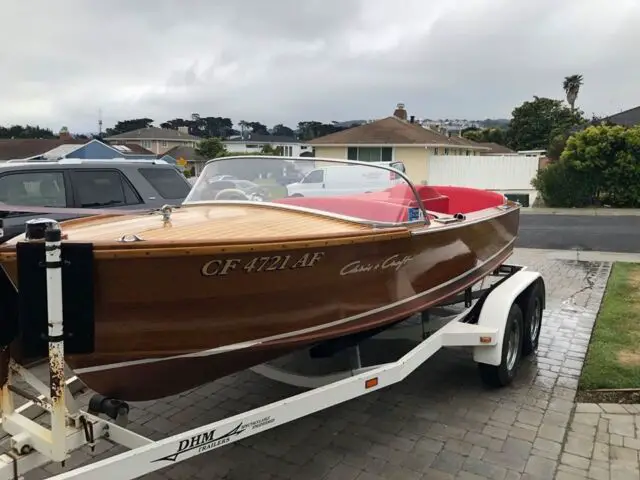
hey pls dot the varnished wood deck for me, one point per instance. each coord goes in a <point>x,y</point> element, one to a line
<point>213,224</point>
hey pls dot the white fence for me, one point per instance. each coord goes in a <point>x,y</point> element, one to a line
<point>500,173</point>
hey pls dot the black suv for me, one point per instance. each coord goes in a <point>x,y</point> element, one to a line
<point>96,184</point>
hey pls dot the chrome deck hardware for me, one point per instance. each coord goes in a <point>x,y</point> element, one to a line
<point>166,210</point>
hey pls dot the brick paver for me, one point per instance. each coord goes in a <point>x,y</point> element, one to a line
<point>441,423</point>
<point>603,442</point>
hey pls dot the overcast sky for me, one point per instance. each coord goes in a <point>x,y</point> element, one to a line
<point>282,61</point>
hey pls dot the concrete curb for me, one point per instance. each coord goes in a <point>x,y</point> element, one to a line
<point>582,255</point>
<point>594,212</point>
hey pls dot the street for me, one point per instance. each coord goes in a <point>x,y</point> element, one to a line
<point>584,232</point>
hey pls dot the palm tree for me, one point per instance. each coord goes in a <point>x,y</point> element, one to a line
<point>571,87</point>
<point>243,128</point>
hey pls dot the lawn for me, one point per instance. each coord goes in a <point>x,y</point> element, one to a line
<point>613,359</point>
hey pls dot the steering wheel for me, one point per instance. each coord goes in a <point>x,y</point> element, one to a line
<point>231,194</point>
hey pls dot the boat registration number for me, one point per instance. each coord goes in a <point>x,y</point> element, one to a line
<point>267,263</point>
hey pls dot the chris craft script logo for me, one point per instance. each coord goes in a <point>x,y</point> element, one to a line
<point>269,263</point>
<point>209,440</point>
<point>395,262</point>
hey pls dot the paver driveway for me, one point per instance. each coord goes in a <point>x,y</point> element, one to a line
<point>440,423</point>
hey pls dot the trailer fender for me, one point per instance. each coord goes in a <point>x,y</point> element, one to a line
<point>495,310</point>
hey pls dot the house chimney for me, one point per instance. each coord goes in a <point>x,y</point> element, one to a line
<point>412,119</point>
<point>400,112</point>
<point>64,134</point>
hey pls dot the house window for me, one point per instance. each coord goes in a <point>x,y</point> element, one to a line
<point>467,152</point>
<point>165,143</point>
<point>146,144</point>
<point>287,151</point>
<point>446,151</point>
<point>436,151</point>
<point>370,154</point>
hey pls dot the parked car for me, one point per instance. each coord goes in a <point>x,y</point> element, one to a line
<point>248,190</point>
<point>76,183</point>
<point>343,180</point>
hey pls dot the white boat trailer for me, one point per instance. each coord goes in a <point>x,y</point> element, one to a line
<point>501,323</point>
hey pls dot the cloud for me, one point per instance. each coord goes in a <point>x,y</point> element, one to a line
<point>287,60</point>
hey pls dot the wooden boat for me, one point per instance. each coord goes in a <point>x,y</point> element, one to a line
<point>215,287</point>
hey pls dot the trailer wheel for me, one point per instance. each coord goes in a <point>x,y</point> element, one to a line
<point>533,318</point>
<point>503,374</point>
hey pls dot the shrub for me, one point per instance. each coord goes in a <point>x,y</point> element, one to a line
<point>598,164</point>
<point>561,186</point>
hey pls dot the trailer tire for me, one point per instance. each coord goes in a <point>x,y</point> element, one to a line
<point>533,308</point>
<point>503,374</point>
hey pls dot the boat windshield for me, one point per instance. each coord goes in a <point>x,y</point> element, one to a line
<point>378,192</point>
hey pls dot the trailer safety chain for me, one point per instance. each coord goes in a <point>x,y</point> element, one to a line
<point>88,432</point>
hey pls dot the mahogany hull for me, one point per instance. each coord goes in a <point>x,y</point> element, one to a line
<point>165,324</point>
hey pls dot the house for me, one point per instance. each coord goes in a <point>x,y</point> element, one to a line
<point>68,147</point>
<point>394,138</point>
<point>157,140</point>
<point>97,150</point>
<point>181,155</point>
<point>30,148</point>
<point>496,149</point>
<point>626,118</point>
<point>253,143</point>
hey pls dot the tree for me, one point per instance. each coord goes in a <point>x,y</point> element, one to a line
<point>282,131</point>
<point>203,127</point>
<point>177,123</point>
<point>571,86</point>
<point>28,131</point>
<point>270,150</point>
<point>211,148</point>
<point>258,128</point>
<point>598,165</point>
<point>535,123</point>
<point>313,129</point>
<point>494,135</point>
<point>557,146</point>
<point>124,126</point>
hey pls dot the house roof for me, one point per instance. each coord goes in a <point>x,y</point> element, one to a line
<point>188,153</point>
<point>392,131</point>
<point>465,142</point>
<point>628,118</point>
<point>135,148</point>
<point>130,149</point>
<point>62,151</point>
<point>496,148</point>
<point>22,148</point>
<point>257,138</point>
<point>154,133</point>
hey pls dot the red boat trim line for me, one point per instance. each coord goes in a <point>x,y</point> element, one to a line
<point>260,341</point>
